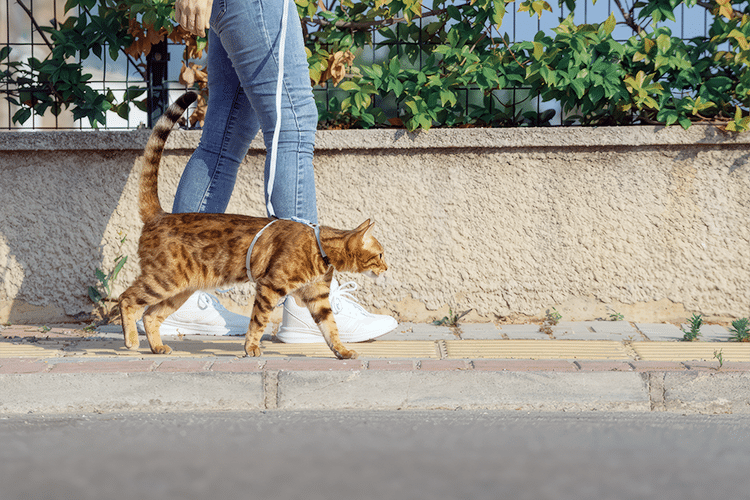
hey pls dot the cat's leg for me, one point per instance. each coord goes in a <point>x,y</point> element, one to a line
<point>266,298</point>
<point>315,297</point>
<point>155,316</point>
<point>130,306</point>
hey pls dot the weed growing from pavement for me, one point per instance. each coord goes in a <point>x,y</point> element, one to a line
<point>101,293</point>
<point>695,328</point>
<point>450,320</point>
<point>616,316</point>
<point>551,318</point>
<point>740,330</point>
<point>719,355</point>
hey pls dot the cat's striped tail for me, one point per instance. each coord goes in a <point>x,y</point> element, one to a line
<point>148,198</point>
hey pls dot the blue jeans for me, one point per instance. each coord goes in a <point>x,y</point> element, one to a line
<point>242,75</point>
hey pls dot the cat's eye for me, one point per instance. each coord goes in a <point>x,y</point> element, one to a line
<point>381,255</point>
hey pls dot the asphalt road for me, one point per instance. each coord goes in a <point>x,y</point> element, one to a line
<point>383,455</point>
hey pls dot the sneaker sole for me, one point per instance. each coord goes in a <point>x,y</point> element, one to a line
<point>298,336</point>
<point>171,331</point>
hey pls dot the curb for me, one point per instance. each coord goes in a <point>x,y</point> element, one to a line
<point>61,370</point>
<point>288,384</point>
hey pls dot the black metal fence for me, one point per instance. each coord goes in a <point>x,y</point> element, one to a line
<point>20,20</point>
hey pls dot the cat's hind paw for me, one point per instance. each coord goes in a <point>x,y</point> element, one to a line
<point>346,354</point>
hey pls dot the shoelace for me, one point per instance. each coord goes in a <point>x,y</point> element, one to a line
<point>343,293</point>
<point>206,300</point>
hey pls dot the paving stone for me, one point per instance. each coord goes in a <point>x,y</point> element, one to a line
<point>649,365</point>
<point>15,365</point>
<point>524,365</point>
<point>237,365</point>
<point>660,331</point>
<point>313,364</point>
<point>183,365</point>
<point>444,364</point>
<point>595,330</point>
<point>389,364</point>
<point>419,331</point>
<point>523,332</point>
<point>603,366</point>
<point>714,333</point>
<point>102,366</point>
<point>479,331</point>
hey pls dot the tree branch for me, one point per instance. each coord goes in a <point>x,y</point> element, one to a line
<point>36,26</point>
<point>628,16</point>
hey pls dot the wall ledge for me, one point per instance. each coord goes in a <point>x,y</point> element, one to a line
<point>337,140</point>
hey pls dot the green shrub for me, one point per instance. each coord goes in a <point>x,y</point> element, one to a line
<point>652,77</point>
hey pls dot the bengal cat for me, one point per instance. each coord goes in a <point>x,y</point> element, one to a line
<point>182,253</point>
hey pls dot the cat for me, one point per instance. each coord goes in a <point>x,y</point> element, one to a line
<point>182,253</point>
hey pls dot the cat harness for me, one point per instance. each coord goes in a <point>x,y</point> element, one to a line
<point>314,227</point>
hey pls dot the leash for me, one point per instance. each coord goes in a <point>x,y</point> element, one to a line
<point>277,129</point>
<point>275,148</point>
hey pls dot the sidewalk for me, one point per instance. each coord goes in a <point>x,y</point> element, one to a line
<point>579,366</point>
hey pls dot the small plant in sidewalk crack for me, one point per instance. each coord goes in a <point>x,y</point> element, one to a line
<point>101,293</point>
<point>740,330</point>
<point>452,318</point>
<point>616,316</point>
<point>696,321</point>
<point>551,318</point>
<point>719,356</point>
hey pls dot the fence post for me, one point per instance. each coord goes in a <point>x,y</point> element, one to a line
<point>156,72</point>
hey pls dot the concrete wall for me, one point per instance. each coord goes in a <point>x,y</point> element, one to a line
<point>649,222</point>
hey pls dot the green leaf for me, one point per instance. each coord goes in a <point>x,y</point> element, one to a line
<point>94,295</point>
<point>348,85</point>
<point>447,97</point>
<point>608,26</point>
<point>100,275</point>
<point>578,88</point>
<point>596,94</point>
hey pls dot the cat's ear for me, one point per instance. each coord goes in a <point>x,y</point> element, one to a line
<point>363,226</point>
<point>367,234</point>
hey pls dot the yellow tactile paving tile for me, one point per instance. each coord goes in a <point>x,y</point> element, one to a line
<point>180,348</point>
<point>235,347</point>
<point>420,349</point>
<point>536,349</point>
<point>9,350</point>
<point>691,351</point>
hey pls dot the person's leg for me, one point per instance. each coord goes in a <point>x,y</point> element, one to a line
<point>250,32</point>
<point>231,124</point>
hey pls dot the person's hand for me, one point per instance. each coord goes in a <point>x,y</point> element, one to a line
<point>193,15</point>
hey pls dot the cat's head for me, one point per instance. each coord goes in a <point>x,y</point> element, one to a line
<point>367,252</point>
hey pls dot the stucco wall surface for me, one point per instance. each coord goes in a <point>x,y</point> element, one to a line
<point>649,222</point>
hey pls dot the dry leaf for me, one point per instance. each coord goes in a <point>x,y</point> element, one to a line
<point>144,37</point>
<point>199,114</point>
<point>338,63</point>
<point>187,75</point>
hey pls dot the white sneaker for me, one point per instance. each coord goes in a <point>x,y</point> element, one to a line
<point>354,323</point>
<point>202,314</point>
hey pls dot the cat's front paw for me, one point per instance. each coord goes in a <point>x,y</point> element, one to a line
<point>161,349</point>
<point>132,345</point>
<point>252,350</point>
